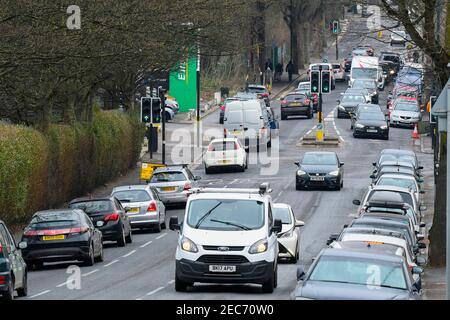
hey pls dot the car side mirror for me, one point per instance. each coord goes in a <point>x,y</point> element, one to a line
<point>300,273</point>
<point>196,178</point>
<point>420,180</point>
<point>357,202</point>
<point>23,245</point>
<point>297,164</point>
<point>332,238</point>
<point>421,245</point>
<point>422,192</point>
<point>374,164</point>
<point>173,224</point>
<point>421,261</point>
<point>338,101</point>
<point>422,225</point>
<point>277,226</point>
<point>299,223</point>
<point>420,237</point>
<point>423,207</point>
<point>373,177</point>
<point>341,164</point>
<point>420,168</point>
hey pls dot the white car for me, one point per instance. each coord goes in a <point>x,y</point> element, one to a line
<point>339,72</point>
<point>398,37</point>
<point>227,236</point>
<point>225,153</point>
<point>402,181</point>
<point>289,237</point>
<point>304,86</point>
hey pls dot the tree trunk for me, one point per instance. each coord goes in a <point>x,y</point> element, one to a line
<point>437,234</point>
<point>295,49</point>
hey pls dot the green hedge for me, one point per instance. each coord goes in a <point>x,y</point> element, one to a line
<point>38,171</point>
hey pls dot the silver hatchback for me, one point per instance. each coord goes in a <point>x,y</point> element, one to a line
<point>142,205</point>
<point>172,183</point>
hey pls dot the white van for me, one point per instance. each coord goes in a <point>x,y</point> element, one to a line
<point>227,236</point>
<point>249,122</point>
<point>365,67</point>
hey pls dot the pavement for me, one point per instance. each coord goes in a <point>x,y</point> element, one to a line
<point>144,270</point>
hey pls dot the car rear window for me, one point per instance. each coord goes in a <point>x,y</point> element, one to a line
<point>398,182</point>
<point>406,197</point>
<point>353,98</point>
<point>173,176</point>
<point>132,196</point>
<point>372,116</point>
<point>257,90</point>
<point>93,206</point>
<point>222,146</point>
<point>55,220</point>
<point>295,97</point>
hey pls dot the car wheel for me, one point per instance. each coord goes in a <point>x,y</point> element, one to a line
<point>9,293</point>
<point>129,238</point>
<point>338,188</point>
<point>158,227</point>
<point>269,285</point>
<point>23,292</point>
<point>100,256</point>
<point>242,168</point>
<point>294,259</point>
<point>246,163</point>
<point>298,187</point>
<point>310,114</point>
<point>283,116</point>
<point>121,241</point>
<point>90,260</point>
<point>180,286</point>
<point>163,225</point>
<point>207,170</point>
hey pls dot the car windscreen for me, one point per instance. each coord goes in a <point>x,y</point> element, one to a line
<point>93,206</point>
<point>394,59</point>
<point>282,214</point>
<point>132,196</point>
<point>226,214</point>
<point>375,116</point>
<point>406,197</point>
<point>398,158</point>
<point>222,146</point>
<point>364,85</point>
<point>257,90</point>
<point>295,97</point>
<point>412,107</point>
<point>54,220</point>
<point>353,98</point>
<point>347,270</point>
<point>304,86</point>
<point>172,176</point>
<point>364,73</point>
<point>398,182</point>
<point>319,159</point>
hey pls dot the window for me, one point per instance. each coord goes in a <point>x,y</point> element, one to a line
<point>353,98</point>
<point>132,196</point>
<point>398,182</point>
<point>283,214</point>
<point>5,240</point>
<point>372,116</point>
<point>173,176</point>
<point>364,73</point>
<point>93,206</point>
<point>319,159</point>
<point>295,97</point>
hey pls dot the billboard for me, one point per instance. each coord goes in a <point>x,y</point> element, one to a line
<point>183,84</point>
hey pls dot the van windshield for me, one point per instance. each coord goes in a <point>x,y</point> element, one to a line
<point>226,214</point>
<point>364,73</point>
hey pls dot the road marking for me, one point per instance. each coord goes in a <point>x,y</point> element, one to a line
<point>155,291</point>
<point>129,254</point>
<point>309,132</point>
<point>234,181</point>
<point>146,244</point>
<point>40,294</point>
<point>111,263</point>
<point>62,284</point>
<point>171,282</point>
<point>161,236</point>
<point>89,273</point>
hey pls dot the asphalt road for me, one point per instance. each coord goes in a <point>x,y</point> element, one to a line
<point>145,269</point>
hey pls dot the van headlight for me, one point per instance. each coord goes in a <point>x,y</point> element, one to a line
<point>188,245</point>
<point>259,247</point>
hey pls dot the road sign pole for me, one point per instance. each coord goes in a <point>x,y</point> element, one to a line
<point>337,47</point>
<point>163,117</point>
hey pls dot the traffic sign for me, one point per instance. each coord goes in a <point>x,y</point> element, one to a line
<point>336,28</point>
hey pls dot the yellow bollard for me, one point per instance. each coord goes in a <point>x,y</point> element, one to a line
<point>380,34</point>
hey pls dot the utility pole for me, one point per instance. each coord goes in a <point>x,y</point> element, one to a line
<point>198,94</point>
<point>162,96</point>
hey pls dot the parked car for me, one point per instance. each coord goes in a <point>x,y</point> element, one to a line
<point>405,114</point>
<point>108,216</point>
<point>142,205</point>
<point>402,181</point>
<point>319,169</point>
<point>61,235</point>
<point>399,155</point>
<point>13,269</point>
<point>296,104</point>
<point>289,237</point>
<point>225,153</point>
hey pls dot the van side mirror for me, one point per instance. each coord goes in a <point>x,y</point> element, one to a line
<point>173,224</point>
<point>357,202</point>
<point>297,164</point>
<point>300,273</point>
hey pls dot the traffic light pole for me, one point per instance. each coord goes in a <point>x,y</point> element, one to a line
<point>150,149</point>
<point>163,125</point>
<point>337,47</point>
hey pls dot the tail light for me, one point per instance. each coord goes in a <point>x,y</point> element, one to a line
<point>187,187</point>
<point>2,278</point>
<point>33,233</point>
<point>264,95</point>
<point>79,230</point>
<point>152,207</point>
<point>284,102</point>
<point>1,248</point>
<point>112,217</point>
<point>307,101</point>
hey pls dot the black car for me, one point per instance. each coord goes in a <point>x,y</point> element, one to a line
<point>296,104</point>
<point>61,235</point>
<point>348,104</point>
<point>366,107</point>
<point>342,274</point>
<point>319,169</point>
<point>13,269</point>
<point>371,124</point>
<point>109,216</point>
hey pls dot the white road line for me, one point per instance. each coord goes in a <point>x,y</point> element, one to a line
<point>309,132</point>
<point>40,294</point>
<point>155,291</point>
<point>111,263</point>
<point>171,282</point>
<point>146,244</point>
<point>62,284</point>
<point>161,236</point>
<point>89,273</point>
<point>129,254</point>
<point>234,181</point>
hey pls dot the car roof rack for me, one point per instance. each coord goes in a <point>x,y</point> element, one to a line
<point>386,204</point>
<point>263,189</point>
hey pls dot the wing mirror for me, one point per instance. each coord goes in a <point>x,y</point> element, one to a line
<point>277,226</point>
<point>423,207</point>
<point>373,177</point>
<point>332,238</point>
<point>173,224</point>
<point>357,202</point>
<point>300,273</point>
<point>297,164</point>
<point>196,178</point>
<point>299,224</point>
<point>421,261</point>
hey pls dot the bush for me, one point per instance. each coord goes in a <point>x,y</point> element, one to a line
<point>38,171</point>
<point>23,173</point>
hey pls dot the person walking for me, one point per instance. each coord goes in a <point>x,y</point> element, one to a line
<point>290,70</point>
<point>269,65</point>
<point>278,71</point>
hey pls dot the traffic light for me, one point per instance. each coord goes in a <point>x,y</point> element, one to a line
<point>150,110</point>
<point>335,27</point>
<point>146,110</point>
<point>326,81</point>
<point>315,81</point>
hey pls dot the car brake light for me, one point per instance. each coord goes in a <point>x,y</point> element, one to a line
<point>55,232</point>
<point>152,207</point>
<point>112,217</point>
<point>79,230</point>
<point>187,187</point>
<point>1,248</point>
<point>264,95</point>
<point>2,278</point>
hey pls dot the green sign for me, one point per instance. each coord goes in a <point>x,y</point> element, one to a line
<point>183,84</point>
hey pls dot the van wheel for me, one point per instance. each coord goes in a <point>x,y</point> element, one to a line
<point>271,283</point>
<point>180,286</point>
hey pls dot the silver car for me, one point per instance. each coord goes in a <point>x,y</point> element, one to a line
<point>172,183</point>
<point>405,114</point>
<point>142,205</point>
<point>289,237</point>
